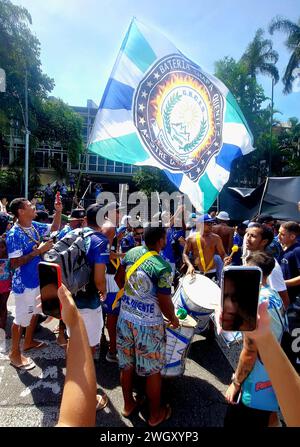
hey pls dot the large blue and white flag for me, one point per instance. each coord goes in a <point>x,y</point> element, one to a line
<point>161,109</point>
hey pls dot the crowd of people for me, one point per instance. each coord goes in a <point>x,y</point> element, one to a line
<point>134,270</point>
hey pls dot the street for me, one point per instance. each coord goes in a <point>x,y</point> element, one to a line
<point>32,398</point>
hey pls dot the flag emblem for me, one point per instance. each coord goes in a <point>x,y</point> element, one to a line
<point>178,113</point>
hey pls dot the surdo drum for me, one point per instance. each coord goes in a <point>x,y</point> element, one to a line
<point>199,296</point>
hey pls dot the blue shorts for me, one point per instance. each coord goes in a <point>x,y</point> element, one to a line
<point>142,347</point>
<point>107,304</point>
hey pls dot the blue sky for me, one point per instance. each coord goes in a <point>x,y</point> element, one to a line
<point>80,39</point>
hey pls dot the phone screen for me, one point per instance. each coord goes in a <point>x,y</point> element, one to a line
<point>50,281</point>
<point>240,294</point>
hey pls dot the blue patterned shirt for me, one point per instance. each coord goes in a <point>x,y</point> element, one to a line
<point>20,244</point>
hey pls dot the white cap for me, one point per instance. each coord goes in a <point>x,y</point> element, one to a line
<point>223,215</point>
<point>125,220</point>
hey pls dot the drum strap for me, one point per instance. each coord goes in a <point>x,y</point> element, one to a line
<point>202,260</point>
<point>130,271</point>
<point>116,263</point>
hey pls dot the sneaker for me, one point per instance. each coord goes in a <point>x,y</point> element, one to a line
<point>112,358</point>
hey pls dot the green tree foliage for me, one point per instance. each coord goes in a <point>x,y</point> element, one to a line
<point>260,58</point>
<point>289,145</point>
<point>57,122</point>
<point>50,120</point>
<point>20,52</point>
<point>149,179</point>
<point>248,93</point>
<point>293,45</point>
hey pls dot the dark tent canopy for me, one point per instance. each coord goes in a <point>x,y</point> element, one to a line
<point>277,196</point>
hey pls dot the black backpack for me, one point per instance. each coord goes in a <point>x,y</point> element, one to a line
<point>70,253</point>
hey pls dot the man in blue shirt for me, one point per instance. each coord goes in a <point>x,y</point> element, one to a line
<point>89,301</point>
<point>132,239</point>
<point>290,259</point>
<point>25,246</point>
<point>257,406</point>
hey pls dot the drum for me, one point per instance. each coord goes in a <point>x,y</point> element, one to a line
<point>199,296</point>
<point>178,343</point>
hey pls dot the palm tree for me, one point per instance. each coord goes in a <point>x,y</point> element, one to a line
<point>293,45</point>
<point>260,58</point>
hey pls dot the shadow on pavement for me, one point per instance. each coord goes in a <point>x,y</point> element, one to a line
<point>209,356</point>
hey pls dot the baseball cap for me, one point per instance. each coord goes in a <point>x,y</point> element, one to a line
<point>205,218</point>
<point>223,215</point>
<point>77,213</point>
<point>121,229</point>
<point>125,219</point>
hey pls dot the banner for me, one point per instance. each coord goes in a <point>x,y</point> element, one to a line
<point>161,109</point>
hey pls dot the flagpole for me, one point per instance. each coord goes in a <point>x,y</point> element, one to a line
<point>27,133</point>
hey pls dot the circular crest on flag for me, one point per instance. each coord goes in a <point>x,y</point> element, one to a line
<point>178,112</point>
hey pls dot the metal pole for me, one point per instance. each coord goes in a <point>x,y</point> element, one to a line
<point>27,133</point>
<point>271,129</point>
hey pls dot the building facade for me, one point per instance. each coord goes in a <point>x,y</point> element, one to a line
<point>97,168</point>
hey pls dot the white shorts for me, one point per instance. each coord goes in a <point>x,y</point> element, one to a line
<point>93,321</point>
<point>26,306</point>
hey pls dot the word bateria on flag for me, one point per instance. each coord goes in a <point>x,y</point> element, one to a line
<point>161,109</point>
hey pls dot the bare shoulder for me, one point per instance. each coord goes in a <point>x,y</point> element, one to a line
<point>216,237</point>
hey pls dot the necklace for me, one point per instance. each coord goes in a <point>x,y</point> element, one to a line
<point>30,233</point>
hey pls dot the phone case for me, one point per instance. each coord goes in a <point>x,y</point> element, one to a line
<point>59,277</point>
<point>239,287</point>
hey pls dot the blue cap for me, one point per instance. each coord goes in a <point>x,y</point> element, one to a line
<point>193,216</point>
<point>121,229</point>
<point>205,218</point>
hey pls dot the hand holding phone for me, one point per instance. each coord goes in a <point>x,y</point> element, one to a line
<point>50,282</point>
<point>240,295</point>
<point>58,203</point>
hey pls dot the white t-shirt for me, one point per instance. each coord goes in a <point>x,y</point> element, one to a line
<point>276,280</point>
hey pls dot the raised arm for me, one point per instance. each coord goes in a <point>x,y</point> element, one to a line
<point>246,363</point>
<point>284,378</point>
<point>57,217</point>
<point>78,407</point>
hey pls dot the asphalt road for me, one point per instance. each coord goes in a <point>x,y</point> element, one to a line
<point>32,398</point>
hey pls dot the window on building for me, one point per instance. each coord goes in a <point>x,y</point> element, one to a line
<point>101,164</point>
<point>119,167</point>
<point>110,166</point>
<point>92,162</point>
<point>127,168</point>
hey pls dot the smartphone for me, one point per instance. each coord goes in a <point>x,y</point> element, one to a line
<point>240,295</point>
<point>57,197</point>
<point>50,281</point>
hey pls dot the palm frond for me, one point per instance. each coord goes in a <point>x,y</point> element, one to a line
<point>288,77</point>
<point>284,25</point>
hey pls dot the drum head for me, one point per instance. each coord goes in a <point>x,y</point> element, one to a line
<point>188,322</point>
<point>202,291</point>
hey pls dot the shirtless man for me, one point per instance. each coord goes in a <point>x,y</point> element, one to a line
<point>211,245</point>
<point>224,231</point>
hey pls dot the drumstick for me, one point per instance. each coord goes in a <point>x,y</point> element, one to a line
<point>234,249</point>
